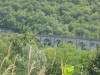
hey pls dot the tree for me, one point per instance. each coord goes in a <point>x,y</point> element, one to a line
<point>94,65</point>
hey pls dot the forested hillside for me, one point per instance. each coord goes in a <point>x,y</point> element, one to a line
<point>52,17</point>
<point>23,20</point>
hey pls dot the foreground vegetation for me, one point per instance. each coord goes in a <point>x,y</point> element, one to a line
<point>21,55</point>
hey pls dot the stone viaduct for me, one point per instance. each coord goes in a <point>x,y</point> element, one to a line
<point>89,44</point>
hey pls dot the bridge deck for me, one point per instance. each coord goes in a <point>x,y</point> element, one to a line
<point>83,38</point>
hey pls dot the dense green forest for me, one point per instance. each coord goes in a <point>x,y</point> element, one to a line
<point>52,17</point>
<point>22,54</point>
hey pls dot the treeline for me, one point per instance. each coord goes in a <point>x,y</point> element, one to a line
<point>52,17</point>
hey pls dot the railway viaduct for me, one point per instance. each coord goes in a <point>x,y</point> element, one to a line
<point>90,44</point>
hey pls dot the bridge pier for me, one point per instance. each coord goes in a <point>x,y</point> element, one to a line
<point>92,46</point>
<point>79,48</point>
<point>52,41</point>
<point>55,45</point>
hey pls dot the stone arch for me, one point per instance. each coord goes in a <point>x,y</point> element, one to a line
<point>58,42</point>
<point>82,46</point>
<point>47,42</point>
<point>70,42</point>
<point>38,40</point>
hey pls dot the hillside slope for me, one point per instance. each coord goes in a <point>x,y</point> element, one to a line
<point>53,17</point>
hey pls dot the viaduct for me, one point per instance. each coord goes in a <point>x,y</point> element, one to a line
<point>81,43</point>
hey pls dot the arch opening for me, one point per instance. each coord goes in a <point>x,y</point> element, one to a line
<point>70,42</point>
<point>47,42</point>
<point>58,42</point>
<point>38,40</point>
<point>82,46</point>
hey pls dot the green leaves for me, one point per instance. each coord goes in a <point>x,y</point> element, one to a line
<point>51,17</point>
<point>94,64</point>
<point>73,60</point>
<point>68,70</point>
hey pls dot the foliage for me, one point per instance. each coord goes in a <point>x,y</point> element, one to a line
<point>67,54</point>
<point>52,17</point>
<point>68,70</point>
<point>22,57</point>
<point>80,18</point>
<point>94,65</point>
